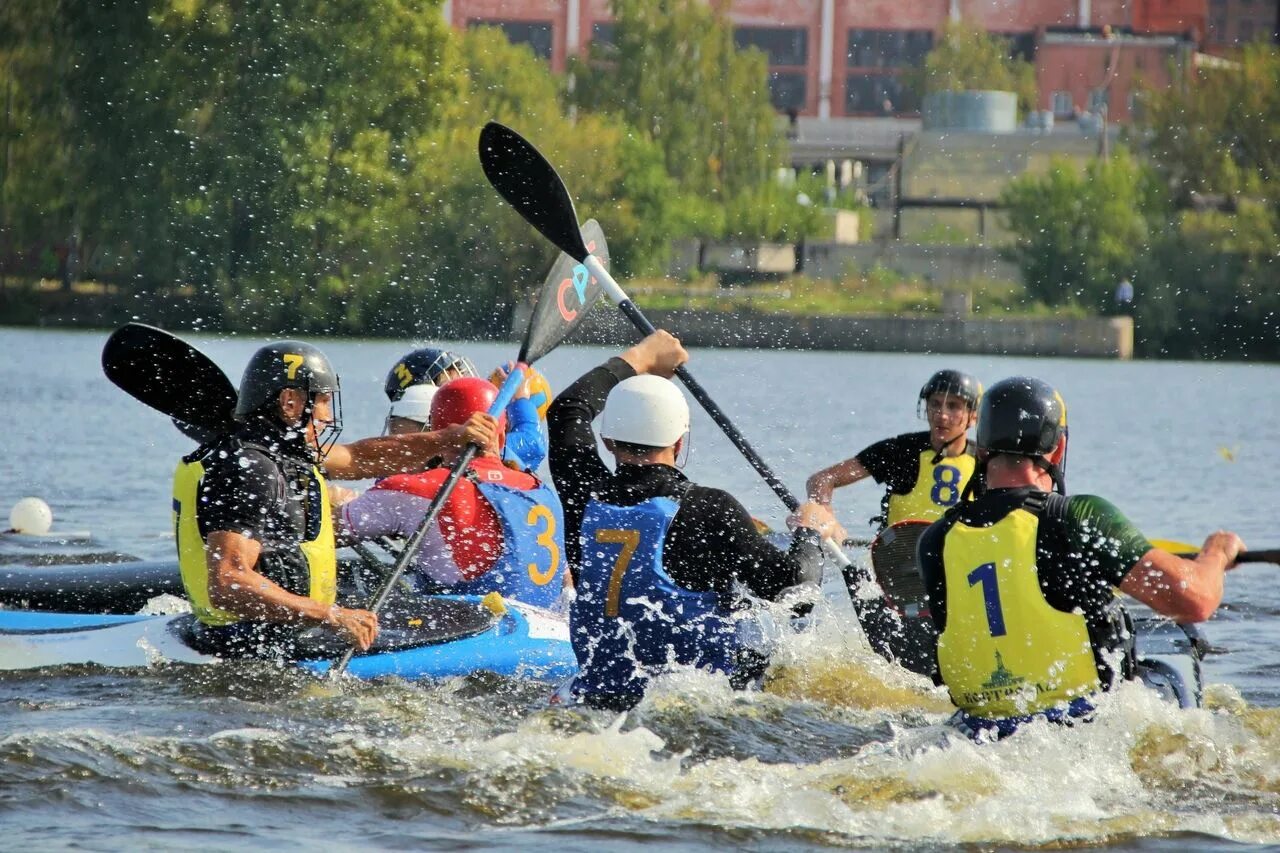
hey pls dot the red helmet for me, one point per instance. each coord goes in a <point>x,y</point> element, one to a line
<point>459,399</point>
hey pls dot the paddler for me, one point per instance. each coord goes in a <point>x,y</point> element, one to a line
<point>413,379</point>
<point>1021,580</point>
<point>501,529</point>
<point>657,560</point>
<point>253,510</point>
<point>925,472</point>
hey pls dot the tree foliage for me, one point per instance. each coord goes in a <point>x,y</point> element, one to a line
<point>1077,233</point>
<point>312,166</point>
<point>1218,133</point>
<point>967,57</point>
<point>673,72</point>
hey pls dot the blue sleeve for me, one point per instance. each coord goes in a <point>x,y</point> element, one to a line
<point>526,442</point>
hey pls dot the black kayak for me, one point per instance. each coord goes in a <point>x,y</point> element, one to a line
<point>118,587</point>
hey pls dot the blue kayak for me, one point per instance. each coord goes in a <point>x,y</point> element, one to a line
<point>445,636</point>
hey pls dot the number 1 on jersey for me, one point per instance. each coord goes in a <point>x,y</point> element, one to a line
<point>986,575</point>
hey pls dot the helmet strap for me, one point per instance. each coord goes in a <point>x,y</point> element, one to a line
<point>1054,472</point>
<point>977,484</point>
<point>682,458</point>
<point>942,451</point>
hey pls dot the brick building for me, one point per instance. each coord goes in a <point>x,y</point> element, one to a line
<point>836,58</point>
<point>1234,23</point>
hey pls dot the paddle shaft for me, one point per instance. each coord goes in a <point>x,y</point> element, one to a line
<point>641,322</point>
<point>410,550</point>
<point>1268,555</point>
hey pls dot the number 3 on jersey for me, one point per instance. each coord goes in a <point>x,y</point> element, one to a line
<point>946,485</point>
<point>547,539</point>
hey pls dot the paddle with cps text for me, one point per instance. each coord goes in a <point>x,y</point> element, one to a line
<point>569,291</point>
<point>530,184</point>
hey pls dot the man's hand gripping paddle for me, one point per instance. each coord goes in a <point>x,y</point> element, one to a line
<point>531,185</point>
<point>569,291</point>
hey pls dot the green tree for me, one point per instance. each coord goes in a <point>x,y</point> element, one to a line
<point>1207,287</point>
<point>1218,131</point>
<point>39,166</point>
<point>968,57</point>
<point>1076,233</point>
<point>467,257</point>
<point>674,73</point>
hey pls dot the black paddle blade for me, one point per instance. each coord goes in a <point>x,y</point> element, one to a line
<point>530,184</point>
<point>171,376</point>
<point>566,296</point>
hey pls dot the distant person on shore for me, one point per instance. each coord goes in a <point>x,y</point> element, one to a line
<point>412,382</point>
<point>657,560</point>
<point>1021,580</point>
<point>924,474</point>
<point>253,510</point>
<point>1124,296</point>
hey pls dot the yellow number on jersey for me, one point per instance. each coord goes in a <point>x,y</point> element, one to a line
<point>629,540</point>
<point>546,538</point>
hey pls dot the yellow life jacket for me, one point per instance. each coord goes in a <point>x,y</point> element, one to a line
<point>937,489</point>
<point>1006,651</point>
<point>320,552</point>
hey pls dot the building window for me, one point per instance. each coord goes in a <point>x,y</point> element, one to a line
<point>888,48</point>
<point>602,38</point>
<point>536,34</point>
<point>1063,105</point>
<point>787,90</point>
<point>783,46</point>
<point>879,94</point>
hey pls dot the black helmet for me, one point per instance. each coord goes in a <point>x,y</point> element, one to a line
<point>280,365</point>
<point>1022,416</point>
<point>954,382</point>
<point>424,366</point>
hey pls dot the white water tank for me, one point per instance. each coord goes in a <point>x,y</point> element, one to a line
<point>987,111</point>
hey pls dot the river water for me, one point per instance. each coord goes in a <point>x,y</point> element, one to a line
<point>840,750</point>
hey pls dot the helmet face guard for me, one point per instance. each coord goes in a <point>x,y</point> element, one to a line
<point>950,383</point>
<point>326,438</point>
<point>426,366</point>
<point>290,364</point>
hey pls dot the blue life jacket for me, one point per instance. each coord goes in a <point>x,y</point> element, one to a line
<point>630,619</point>
<point>529,569</point>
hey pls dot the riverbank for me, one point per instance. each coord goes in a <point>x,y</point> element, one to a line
<point>1089,337</point>
<point>1078,337</point>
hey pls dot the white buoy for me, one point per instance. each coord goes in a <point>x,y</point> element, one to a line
<point>31,516</point>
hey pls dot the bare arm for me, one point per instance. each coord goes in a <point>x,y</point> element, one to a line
<point>821,484</point>
<point>382,456</point>
<point>235,586</point>
<point>1182,589</point>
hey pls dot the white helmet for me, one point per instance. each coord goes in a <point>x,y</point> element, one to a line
<point>646,410</point>
<point>415,404</point>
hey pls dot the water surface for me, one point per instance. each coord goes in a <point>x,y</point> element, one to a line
<point>839,751</point>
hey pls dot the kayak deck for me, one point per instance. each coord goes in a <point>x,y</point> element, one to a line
<point>523,641</point>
